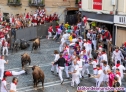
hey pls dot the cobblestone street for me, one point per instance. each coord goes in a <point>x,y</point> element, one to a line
<point>42,57</point>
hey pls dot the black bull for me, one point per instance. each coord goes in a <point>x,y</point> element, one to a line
<point>20,44</point>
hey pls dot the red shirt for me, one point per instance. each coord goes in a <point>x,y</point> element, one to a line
<point>57,28</point>
<point>75,28</point>
<point>8,73</point>
<point>111,79</point>
<point>50,29</point>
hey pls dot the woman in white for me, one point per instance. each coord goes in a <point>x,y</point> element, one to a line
<point>75,75</point>
<point>14,85</point>
<point>3,85</point>
<point>56,54</point>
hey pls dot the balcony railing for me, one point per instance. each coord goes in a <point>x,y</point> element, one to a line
<point>36,3</point>
<point>14,2</point>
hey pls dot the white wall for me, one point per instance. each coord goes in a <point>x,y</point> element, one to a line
<point>87,5</point>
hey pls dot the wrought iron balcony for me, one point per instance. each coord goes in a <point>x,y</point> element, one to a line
<point>36,3</point>
<point>14,2</point>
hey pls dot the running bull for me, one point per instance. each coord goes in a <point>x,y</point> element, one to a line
<point>36,44</point>
<point>20,44</point>
<point>38,76</point>
<point>25,58</point>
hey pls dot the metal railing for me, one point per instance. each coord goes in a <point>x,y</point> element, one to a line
<point>37,3</point>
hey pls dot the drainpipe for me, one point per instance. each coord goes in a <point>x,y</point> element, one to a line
<point>117,5</point>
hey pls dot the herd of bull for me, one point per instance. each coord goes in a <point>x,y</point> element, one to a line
<point>38,74</point>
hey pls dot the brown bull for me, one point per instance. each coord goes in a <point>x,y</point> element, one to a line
<point>36,44</point>
<point>38,76</point>
<point>25,58</point>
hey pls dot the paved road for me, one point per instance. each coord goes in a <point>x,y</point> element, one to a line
<point>43,57</point>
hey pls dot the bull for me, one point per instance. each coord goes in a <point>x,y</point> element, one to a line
<point>25,59</point>
<point>24,44</point>
<point>36,44</point>
<point>38,76</point>
<point>16,45</point>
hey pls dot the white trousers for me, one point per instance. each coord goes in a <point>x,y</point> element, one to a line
<point>76,79</point>
<point>85,67</point>
<point>55,66</point>
<point>80,70</point>
<point>1,73</point>
<point>49,35</point>
<point>18,73</point>
<point>98,84</point>
<point>5,48</point>
<point>94,44</point>
<point>61,47</point>
<point>60,73</point>
<point>66,70</point>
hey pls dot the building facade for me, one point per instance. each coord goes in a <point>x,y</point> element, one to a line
<point>106,12</point>
<point>22,6</point>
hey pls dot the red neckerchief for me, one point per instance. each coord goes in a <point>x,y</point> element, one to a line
<point>110,73</point>
<point>100,46</point>
<point>67,47</point>
<point>99,68</point>
<point>84,51</point>
<point>79,40</point>
<point>117,51</point>
<point>95,61</point>
<point>117,65</point>
<point>4,79</point>
<point>118,73</point>
<point>15,83</point>
<point>78,60</point>
<point>89,42</point>
<point>103,53</point>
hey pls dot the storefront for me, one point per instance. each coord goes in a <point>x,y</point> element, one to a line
<point>101,19</point>
<point>120,25</point>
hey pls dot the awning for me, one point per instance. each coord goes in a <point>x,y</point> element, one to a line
<point>102,21</point>
<point>119,25</point>
<point>72,9</point>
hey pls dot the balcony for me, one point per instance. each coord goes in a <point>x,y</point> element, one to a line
<point>14,2</point>
<point>36,3</point>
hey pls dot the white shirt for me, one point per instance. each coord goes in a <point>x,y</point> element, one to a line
<point>66,36</point>
<point>82,54</point>
<point>117,55</point>
<point>76,68</point>
<point>104,57</point>
<point>56,57</point>
<point>13,87</point>
<point>62,41</point>
<point>94,63</point>
<point>74,40</point>
<point>119,79</point>
<point>79,62</point>
<point>105,68</point>
<point>2,62</point>
<point>121,68</point>
<point>100,72</point>
<point>3,83</point>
